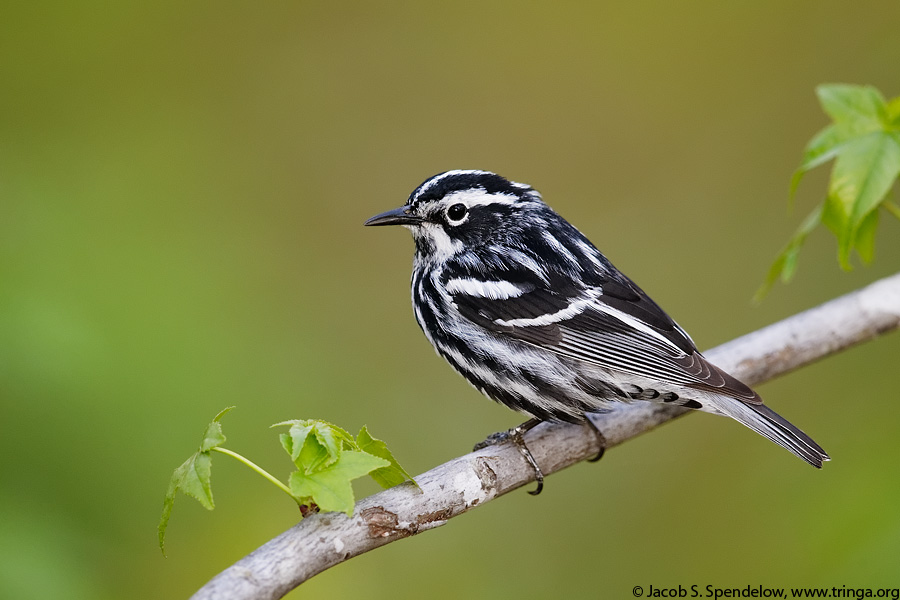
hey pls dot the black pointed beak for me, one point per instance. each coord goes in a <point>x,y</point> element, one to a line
<point>398,216</point>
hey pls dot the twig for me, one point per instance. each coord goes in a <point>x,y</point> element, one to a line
<point>324,540</point>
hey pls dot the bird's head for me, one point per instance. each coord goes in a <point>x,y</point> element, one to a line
<point>466,209</point>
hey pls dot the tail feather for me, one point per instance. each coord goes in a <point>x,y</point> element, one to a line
<point>766,422</point>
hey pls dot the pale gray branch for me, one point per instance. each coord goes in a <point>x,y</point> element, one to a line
<point>323,540</point>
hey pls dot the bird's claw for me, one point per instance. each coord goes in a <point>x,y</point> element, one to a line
<point>601,439</point>
<point>515,436</point>
<point>493,440</point>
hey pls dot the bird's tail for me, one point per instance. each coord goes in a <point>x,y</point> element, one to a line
<point>769,424</point>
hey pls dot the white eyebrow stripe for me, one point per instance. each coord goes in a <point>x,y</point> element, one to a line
<point>437,178</point>
<point>574,308</point>
<point>479,197</point>
<point>494,290</point>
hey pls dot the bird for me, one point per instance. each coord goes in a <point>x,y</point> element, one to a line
<point>534,316</point>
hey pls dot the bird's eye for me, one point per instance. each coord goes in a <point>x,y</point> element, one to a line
<point>456,213</point>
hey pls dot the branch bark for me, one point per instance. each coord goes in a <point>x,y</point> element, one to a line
<point>324,540</point>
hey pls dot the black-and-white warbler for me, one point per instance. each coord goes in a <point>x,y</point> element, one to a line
<point>524,307</point>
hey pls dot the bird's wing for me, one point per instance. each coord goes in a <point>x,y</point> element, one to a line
<point>612,324</point>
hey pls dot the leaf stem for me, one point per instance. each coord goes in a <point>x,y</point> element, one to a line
<point>259,470</point>
<point>891,208</point>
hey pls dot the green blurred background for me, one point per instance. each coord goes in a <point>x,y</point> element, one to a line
<point>182,191</point>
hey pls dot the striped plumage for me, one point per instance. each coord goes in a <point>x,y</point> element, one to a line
<point>524,307</point>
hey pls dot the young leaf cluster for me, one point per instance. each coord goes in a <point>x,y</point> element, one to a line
<point>863,140</point>
<point>326,456</point>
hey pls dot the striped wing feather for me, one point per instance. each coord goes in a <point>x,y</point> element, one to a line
<point>620,328</point>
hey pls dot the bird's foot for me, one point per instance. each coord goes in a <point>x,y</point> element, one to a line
<point>601,439</point>
<point>515,436</point>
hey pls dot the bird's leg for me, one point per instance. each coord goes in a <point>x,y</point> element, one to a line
<point>515,434</point>
<point>601,439</point>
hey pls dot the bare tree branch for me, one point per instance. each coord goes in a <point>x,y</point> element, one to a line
<point>323,540</point>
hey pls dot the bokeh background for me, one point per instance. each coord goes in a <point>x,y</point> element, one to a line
<point>182,191</point>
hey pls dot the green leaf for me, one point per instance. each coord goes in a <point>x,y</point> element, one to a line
<point>330,487</point>
<point>855,109</point>
<point>295,438</point>
<point>892,208</point>
<point>313,455</point>
<point>893,112</point>
<point>287,442</point>
<point>863,174</point>
<point>386,477</point>
<point>864,141</point>
<point>824,146</point>
<point>192,477</point>
<point>865,237</point>
<point>314,444</point>
<point>329,439</point>
<point>786,262</point>
<point>213,436</point>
